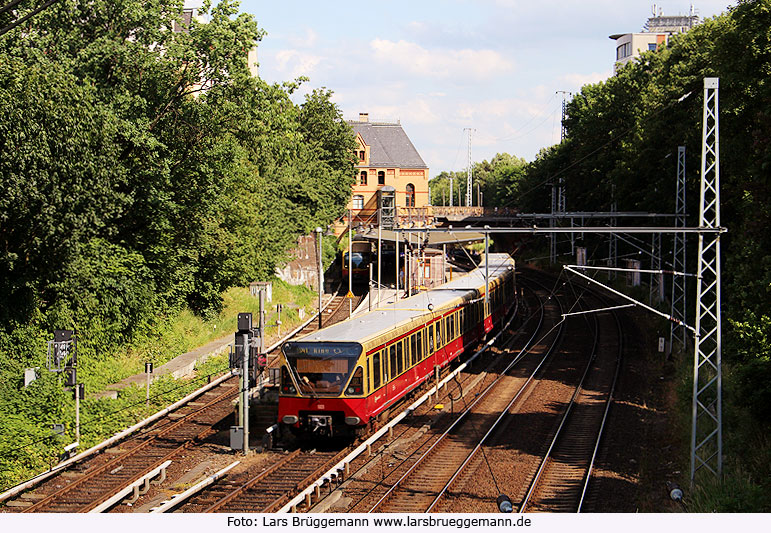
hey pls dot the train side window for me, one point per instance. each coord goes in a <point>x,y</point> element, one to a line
<point>419,344</point>
<point>392,360</point>
<point>430,339</point>
<point>399,358</point>
<point>413,349</point>
<point>439,334</point>
<point>376,371</point>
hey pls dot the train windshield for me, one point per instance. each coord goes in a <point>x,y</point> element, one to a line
<point>321,367</point>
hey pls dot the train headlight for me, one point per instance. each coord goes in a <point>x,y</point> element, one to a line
<point>352,420</point>
<point>289,419</point>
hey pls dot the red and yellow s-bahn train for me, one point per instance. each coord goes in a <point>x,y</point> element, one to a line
<point>340,378</point>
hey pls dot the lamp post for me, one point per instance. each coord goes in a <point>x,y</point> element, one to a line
<point>321,272</point>
<point>350,263</point>
<point>379,243</point>
<point>487,270</point>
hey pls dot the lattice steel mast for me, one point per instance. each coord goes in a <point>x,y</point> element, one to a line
<point>707,417</point>
<point>677,309</point>
<point>469,173</point>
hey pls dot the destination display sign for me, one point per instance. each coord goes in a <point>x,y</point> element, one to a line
<point>322,349</point>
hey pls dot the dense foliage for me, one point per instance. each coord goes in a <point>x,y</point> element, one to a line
<point>494,180</point>
<point>621,145</point>
<point>142,171</point>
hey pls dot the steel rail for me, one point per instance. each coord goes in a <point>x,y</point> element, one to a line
<point>462,416</point>
<point>494,426</point>
<point>608,403</point>
<point>569,410</point>
<point>177,499</point>
<point>133,486</point>
<point>565,416</point>
<point>259,477</point>
<point>474,382</point>
<point>131,453</point>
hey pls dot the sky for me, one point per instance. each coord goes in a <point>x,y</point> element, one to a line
<point>442,66</point>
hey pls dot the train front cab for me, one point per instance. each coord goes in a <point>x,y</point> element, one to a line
<point>322,387</point>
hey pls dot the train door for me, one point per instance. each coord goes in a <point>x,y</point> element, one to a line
<point>392,370</point>
<point>430,336</point>
<point>377,396</point>
<point>439,335</point>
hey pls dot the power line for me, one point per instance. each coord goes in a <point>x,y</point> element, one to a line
<point>603,146</point>
<point>8,6</point>
<point>26,17</point>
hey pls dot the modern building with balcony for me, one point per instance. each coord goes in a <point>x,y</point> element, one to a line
<point>656,32</point>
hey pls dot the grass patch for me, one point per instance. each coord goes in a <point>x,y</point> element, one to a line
<point>745,485</point>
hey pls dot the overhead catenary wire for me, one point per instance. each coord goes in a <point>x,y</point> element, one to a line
<point>26,17</point>
<point>601,147</point>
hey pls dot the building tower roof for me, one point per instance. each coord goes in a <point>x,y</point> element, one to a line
<point>389,145</point>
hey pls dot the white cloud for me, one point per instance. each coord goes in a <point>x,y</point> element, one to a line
<point>440,63</point>
<point>579,80</point>
<point>293,63</point>
<point>305,41</point>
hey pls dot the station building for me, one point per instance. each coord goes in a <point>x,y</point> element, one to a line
<point>388,169</point>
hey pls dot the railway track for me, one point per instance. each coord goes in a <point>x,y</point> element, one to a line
<point>428,467</point>
<point>561,482</point>
<point>418,482</point>
<point>268,490</point>
<point>89,483</point>
<point>83,487</point>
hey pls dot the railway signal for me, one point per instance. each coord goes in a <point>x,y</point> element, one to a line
<point>62,357</point>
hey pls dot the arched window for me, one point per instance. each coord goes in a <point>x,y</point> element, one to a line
<point>410,195</point>
<point>363,179</point>
<point>381,177</point>
<point>358,201</point>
